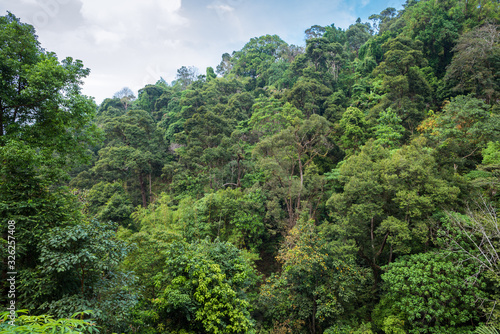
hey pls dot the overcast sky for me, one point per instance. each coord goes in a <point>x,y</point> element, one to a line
<point>131,43</point>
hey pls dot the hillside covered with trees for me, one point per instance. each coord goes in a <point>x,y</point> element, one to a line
<point>346,186</point>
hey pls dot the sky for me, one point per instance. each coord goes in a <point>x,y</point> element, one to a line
<point>131,43</point>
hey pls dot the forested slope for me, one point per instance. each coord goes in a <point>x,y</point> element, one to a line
<point>347,186</point>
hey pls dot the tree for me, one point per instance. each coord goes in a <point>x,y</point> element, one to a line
<point>30,194</point>
<point>126,96</point>
<point>474,67</point>
<point>109,202</point>
<point>315,32</point>
<point>354,128</point>
<point>210,74</point>
<point>78,270</point>
<point>287,153</point>
<point>203,288</point>
<point>157,228</point>
<point>257,55</point>
<point>462,130</point>
<point>202,152</point>
<point>44,131</point>
<point>228,215</point>
<point>186,76</point>
<point>386,200</point>
<point>148,97</point>
<point>40,98</point>
<point>431,294</point>
<point>135,149</point>
<point>225,65</point>
<point>357,34</point>
<point>389,130</point>
<point>324,55</point>
<point>487,176</point>
<point>433,24</point>
<point>308,95</point>
<point>270,116</point>
<point>317,283</point>
<point>382,21</point>
<point>475,237</point>
<point>404,85</point>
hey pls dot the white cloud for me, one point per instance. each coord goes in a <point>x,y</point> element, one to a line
<point>132,43</point>
<point>131,21</point>
<point>220,8</point>
<point>125,10</point>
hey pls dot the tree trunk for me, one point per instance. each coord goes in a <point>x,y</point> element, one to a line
<point>143,191</point>
<point>313,317</point>
<point>1,122</point>
<point>238,181</point>
<point>150,187</point>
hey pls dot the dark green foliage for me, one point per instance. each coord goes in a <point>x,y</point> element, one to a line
<point>402,82</point>
<point>229,215</point>
<point>45,130</point>
<point>257,55</point>
<point>135,150</point>
<point>476,63</point>
<point>78,270</point>
<point>30,195</point>
<point>388,131</point>
<point>354,129</point>
<point>109,202</point>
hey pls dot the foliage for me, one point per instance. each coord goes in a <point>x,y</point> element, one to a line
<point>388,131</point>
<point>79,270</point>
<point>47,324</point>
<point>387,198</point>
<point>316,284</point>
<point>203,288</point>
<point>109,202</point>
<point>287,154</point>
<point>40,101</point>
<point>475,237</point>
<point>463,129</point>
<point>354,130</point>
<point>301,161</point>
<point>269,116</point>
<point>431,294</point>
<point>486,330</point>
<point>474,67</point>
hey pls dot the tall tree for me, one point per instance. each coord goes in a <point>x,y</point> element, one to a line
<point>40,98</point>
<point>186,76</point>
<point>475,67</point>
<point>317,283</point>
<point>135,149</point>
<point>44,130</point>
<point>403,83</point>
<point>387,200</point>
<point>285,156</point>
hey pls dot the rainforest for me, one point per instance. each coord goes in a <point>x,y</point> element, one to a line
<point>350,185</point>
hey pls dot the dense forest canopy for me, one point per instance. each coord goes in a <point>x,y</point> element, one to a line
<point>346,186</point>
